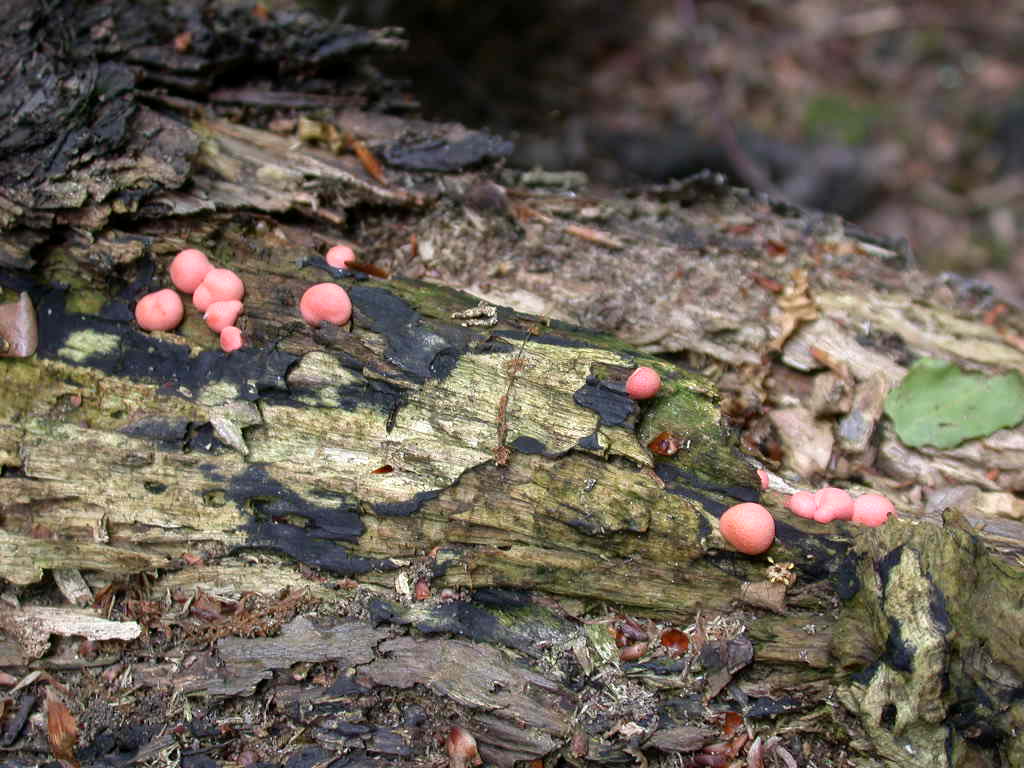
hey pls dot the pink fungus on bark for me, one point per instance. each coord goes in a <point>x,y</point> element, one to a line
<point>832,504</point>
<point>218,285</point>
<point>230,339</point>
<point>763,477</point>
<point>221,314</point>
<point>159,311</point>
<point>749,527</point>
<point>224,285</point>
<point>339,256</point>
<point>325,303</point>
<point>188,269</point>
<point>802,504</point>
<point>643,383</point>
<point>202,298</point>
<point>872,509</point>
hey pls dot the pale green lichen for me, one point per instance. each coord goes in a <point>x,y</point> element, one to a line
<point>80,346</point>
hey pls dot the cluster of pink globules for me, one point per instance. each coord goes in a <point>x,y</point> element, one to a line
<point>828,504</point>
<point>217,293</point>
<point>750,528</point>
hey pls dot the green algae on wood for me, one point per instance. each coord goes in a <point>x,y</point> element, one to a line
<point>933,616</point>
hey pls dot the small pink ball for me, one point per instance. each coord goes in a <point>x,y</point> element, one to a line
<point>224,285</point>
<point>833,504</point>
<point>823,515</point>
<point>749,527</point>
<point>325,303</point>
<point>221,314</point>
<point>643,383</point>
<point>188,269</point>
<point>230,339</point>
<point>339,256</point>
<point>872,509</point>
<point>802,504</point>
<point>202,298</point>
<point>159,311</point>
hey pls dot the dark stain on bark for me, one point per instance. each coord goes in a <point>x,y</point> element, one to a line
<point>609,401</point>
<point>405,508</point>
<point>273,507</point>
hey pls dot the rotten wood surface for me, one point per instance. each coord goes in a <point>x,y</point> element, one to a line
<point>449,507</point>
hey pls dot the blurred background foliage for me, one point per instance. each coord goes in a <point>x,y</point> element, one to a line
<point>905,117</point>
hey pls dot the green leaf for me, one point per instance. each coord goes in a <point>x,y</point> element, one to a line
<point>938,404</point>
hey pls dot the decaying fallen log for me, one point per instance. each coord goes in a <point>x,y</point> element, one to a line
<point>447,513</point>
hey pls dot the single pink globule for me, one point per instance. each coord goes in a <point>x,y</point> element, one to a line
<point>872,509</point>
<point>833,504</point>
<point>802,504</point>
<point>202,298</point>
<point>763,477</point>
<point>339,256</point>
<point>224,285</point>
<point>221,314</point>
<point>643,383</point>
<point>188,269</point>
<point>749,527</point>
<point>230,339</point>
<point>159,311</point>
<point>325,303</point>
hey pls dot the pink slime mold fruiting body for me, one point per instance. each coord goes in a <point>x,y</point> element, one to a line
<point>749,527</point>
<point>230,339</point>
<point>872,509</point>
<point>325,303</point>
<point>159,311</point>
<point>221,314</point>
<point>643,383</point>
<point>339,256</point>
<point>188,269</point>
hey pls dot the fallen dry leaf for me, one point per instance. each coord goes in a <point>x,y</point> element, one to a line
<point>61,729</point>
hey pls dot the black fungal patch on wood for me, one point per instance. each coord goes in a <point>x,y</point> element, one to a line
<point>304,547</point>
<point>203,439</point>
<point>494,346</point>
<point>887,563</point>
<point>269,501</point>
<point>254,372</point>
<point>420,350</point>
<point>899,654</point>
<point>609,401</point>
<point>273,507</point>
<point>766,707</point>
<point>530,445</point>
<point>847,580</point>
<point>405,508</point>
<point>496,597</point>
<point>682,483</point>
<point>160,430</point>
